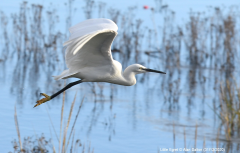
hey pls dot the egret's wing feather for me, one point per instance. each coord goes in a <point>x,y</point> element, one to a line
<point>74,40</point>
<point>91,26</point>
<point>90,47</point>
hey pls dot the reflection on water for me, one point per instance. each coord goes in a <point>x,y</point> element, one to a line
<point>200,58</point>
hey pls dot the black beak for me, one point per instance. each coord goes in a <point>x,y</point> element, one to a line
<point>151,70</point>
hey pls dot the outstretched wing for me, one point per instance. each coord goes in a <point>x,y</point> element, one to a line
<point>90,44</point>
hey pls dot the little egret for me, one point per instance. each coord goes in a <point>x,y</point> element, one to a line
<point>88,57</point>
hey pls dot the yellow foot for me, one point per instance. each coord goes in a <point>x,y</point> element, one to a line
<point>41,101</point>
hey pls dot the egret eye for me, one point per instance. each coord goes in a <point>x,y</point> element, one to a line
<point>140,68</point>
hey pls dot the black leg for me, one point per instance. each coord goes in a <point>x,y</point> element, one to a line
<point>47,98</point>
<point>65,88</point>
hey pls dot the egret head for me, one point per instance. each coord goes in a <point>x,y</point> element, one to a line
<point>137,68</point>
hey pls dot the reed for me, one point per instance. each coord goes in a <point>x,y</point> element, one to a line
<point>66,128</point>
<point>17,128</point>
<point>52,124</point>
<point>41,145</point>
<point>79,108</point>
<point>62,110</point>
<point>229,110</point>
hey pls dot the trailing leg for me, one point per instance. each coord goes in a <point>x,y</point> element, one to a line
<point>47,98</point>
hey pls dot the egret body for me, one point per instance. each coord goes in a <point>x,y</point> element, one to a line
<point>88,57</point>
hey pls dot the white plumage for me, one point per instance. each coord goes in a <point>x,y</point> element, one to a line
<point>88,54</point>
<point>88,57</point>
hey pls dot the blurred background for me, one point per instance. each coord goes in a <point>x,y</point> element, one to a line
<point>195,105</point>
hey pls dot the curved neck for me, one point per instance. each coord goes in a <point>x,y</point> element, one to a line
<point>129,76</point>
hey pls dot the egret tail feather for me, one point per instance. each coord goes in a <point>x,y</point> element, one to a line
<point>62,75</point>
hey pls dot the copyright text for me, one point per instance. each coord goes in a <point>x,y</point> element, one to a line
<point>192,149</point>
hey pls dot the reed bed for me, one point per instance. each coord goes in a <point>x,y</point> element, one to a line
<point>229,109</point>
<point>42,145</point>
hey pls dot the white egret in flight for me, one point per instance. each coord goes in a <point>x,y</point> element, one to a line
<point>88,57</point>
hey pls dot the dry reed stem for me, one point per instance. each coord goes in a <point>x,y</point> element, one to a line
<point>203,143</point>
<point>69,118</point>
<point>17,128</point>
<point>79,108</point>
<point>217,139</point>
<point>62,110</point>
<point>39,143</point>
<point>51,122</point>
<point>195,143</point>
<point>229,108</point>
<point>72,142</point>
<point>54,151</point>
